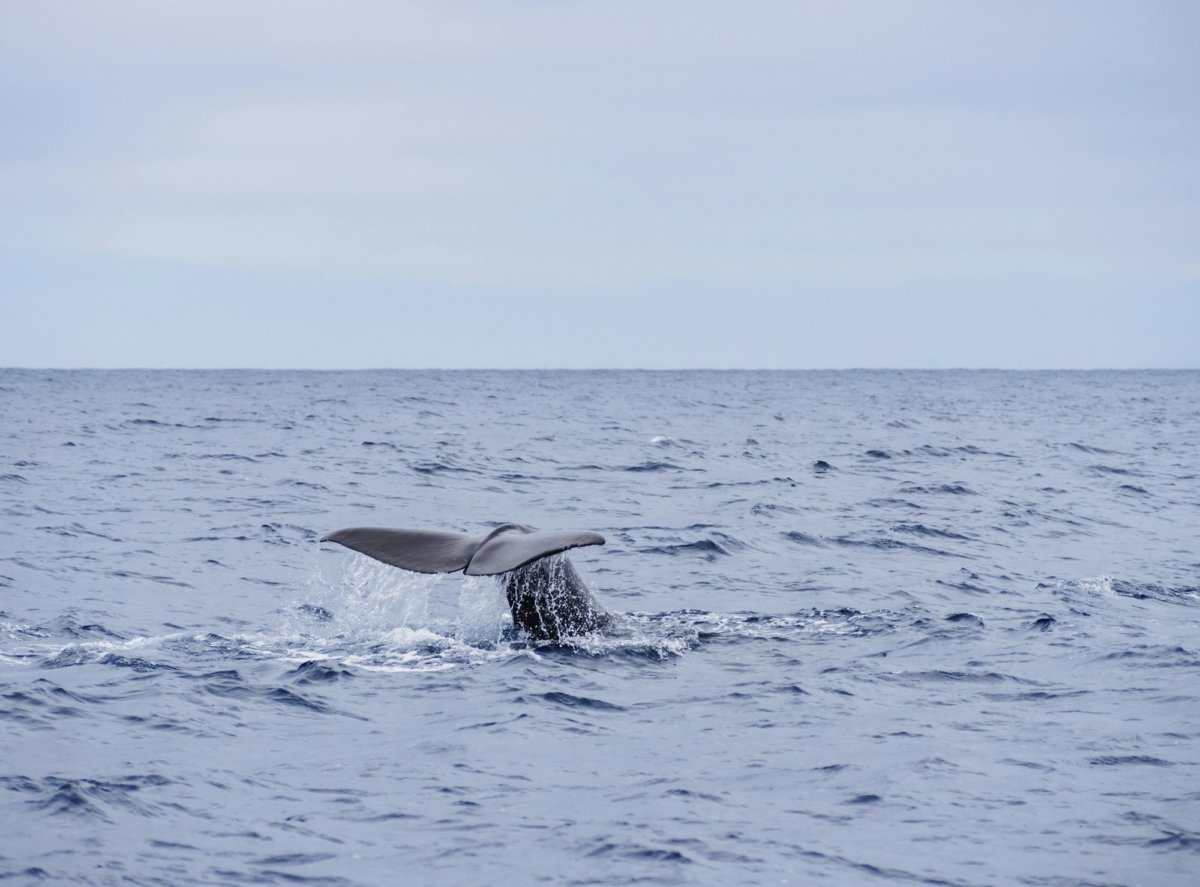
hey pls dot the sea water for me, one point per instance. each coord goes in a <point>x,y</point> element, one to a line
<point>872,627</point>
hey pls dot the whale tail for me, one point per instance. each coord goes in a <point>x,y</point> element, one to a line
<point>550,601</point>
<point>504,549</point>
<point>545,594</point>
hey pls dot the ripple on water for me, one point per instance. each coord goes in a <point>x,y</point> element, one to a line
<point>811,685</point>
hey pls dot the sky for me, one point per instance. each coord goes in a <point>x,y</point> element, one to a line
<point>656,184</point>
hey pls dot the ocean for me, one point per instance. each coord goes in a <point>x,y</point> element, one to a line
<point>871,627</point>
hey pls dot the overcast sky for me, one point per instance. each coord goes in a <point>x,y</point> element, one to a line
<point>600,184</point>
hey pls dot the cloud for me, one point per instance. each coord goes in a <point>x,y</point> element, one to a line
<point>619,147</point>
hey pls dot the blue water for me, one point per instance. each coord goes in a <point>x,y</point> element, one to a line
<point>875,627</point>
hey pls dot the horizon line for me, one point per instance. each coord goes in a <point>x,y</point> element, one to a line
<point>598,369</point>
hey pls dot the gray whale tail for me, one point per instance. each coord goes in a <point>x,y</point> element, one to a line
<point>547,597</point>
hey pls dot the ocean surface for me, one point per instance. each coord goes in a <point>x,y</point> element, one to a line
<point>873,628</point>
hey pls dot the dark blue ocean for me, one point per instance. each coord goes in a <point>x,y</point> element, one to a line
<point>873,628</point>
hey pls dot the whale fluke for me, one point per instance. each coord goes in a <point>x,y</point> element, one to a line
<point>503,550</point>
<point>511,546</point>
<point>547,599</point>
<point>422,551</point>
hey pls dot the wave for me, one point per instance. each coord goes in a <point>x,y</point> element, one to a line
<point>369,617</point>
<point>706,547</point>
<point>88,798</point>
<point>881,543</point>
<point>1107,585</point>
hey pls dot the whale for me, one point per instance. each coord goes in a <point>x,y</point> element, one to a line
<point>548,599</point>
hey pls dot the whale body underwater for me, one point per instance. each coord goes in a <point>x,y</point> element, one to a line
<point>547,597</point>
